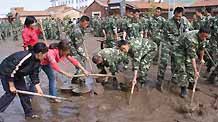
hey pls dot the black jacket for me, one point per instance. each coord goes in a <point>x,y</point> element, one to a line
<point>19,65</point>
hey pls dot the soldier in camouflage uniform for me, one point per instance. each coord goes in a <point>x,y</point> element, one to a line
<point>111,59</point>
<point>135,26</point>
<point>174,27</point>
<point>200,19</point>
<point>54,29</point>
<point>76,36</point>
<point>155,28</point>
<point>211,46</point>
<point>110,31</point>
<point>96,23</point>
<point>185,52</point>
<point>214,35</point>
<point>142,52</point>
<point>45,24</point>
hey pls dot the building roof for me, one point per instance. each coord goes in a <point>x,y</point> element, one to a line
<point>61,8</point>
<point>146,5</point>
<point>115,1</point>
<point>102,2</point>
<point>198,3</point>
<point>34,13</point>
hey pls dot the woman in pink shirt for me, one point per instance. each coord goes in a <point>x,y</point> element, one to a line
<point>57,52</point>
<point>30,33</point>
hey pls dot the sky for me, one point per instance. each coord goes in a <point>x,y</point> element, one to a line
<point>5,5</point>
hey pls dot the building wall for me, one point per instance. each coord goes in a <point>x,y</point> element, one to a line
<point>95,8</point>
<point>73,3</point>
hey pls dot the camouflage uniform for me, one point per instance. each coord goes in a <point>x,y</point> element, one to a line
<point>54,29</point>
<point>134,29</point>
<point>112,57</point>
<point>155,28</point>
<point>45,24</point>
<point>185,50</point>
<point>16,29</point>
<point>142,52</point>
<point>76,36</point>
<point>211,46</point>
<point>110,29</point>
<point>199,22</point>
<point>145,22</point>
<point>96,24</point>
<point>214,32</point>
<point>172,31</point>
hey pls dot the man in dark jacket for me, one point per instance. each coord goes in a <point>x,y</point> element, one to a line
<point>12,72</point>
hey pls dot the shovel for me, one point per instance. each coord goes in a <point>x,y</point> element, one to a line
<point>46,96</point>
<point>190,108</point>
<point>131,94</point>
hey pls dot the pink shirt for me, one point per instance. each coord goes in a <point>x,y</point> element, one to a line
<point>53,57</point>
<point>30,36</point>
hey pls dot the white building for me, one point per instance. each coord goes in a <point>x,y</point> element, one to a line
<point>73,3</point>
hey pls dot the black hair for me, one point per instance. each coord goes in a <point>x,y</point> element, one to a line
<point>178,10</point>
<point>96,58</point>
<point>159,8</point>
<point>63,45</point>
<point>208,10</point>
<point>122,42</point>
<point>40,47</point>
<point>29,20</point>
<point>84,18</point>
<point>204,29</point>
<point>136,11</point>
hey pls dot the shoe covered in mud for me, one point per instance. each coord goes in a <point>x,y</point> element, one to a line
<point>124,87</point>
<point>159,86</point>
<point>115,84</point>
<point>184,92</point>
<point>33,116</point>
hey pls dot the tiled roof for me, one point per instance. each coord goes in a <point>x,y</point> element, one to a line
<point>34,13</point>
<point>205,3</point>
<point>143,5</point>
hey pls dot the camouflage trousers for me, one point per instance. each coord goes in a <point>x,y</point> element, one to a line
<point>145,65</point>
<point>79,54</point>
<point>212,49</point>
<point>157,41</point>
<point>184,72</point>
<point>213,75</point>
<point>166,54</point>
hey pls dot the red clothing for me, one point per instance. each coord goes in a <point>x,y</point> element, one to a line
<point>53,57</point>
<point>30,36</point>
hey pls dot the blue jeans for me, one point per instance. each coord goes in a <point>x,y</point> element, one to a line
<point>51,77</point>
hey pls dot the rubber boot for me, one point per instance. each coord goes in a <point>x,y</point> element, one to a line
<point>184,92</point>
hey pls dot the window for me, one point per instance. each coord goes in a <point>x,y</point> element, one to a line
<point>72,1</point>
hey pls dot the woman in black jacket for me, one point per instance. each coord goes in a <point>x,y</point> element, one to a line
<point>12,72</point>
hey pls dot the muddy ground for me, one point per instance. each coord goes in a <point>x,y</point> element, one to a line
<point>146,106</point>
